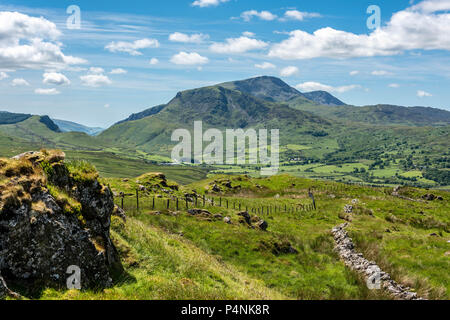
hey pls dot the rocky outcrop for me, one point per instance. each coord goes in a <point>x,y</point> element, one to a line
<point>53,216</point>
<point>369,269</point>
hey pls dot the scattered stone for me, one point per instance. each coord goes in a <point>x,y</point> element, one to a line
<point>277,196</point>
<point>354,260</point>
<point>284,247</point>
<point>246,216</point>
<point>355,201</point>
<point>429,197</point>
<point>228,184</point>
<point>388,231</point>
<point>118,212</point>
<point>216,188</point>
<point>199,212</point>
<point>348,208</point>
<point>218,216</point>
<point>263,225</point>
<point>142,188</point>
<point>125,180</point>
<point>227,220</point>
<point>434,235</point>
<point>440,198</point>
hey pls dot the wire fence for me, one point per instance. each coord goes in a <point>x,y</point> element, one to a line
<point>141,202</point>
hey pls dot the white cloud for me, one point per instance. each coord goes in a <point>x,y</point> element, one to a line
<point>3,75</point>
<point>19,82</point>
<point>420,27</point>
<point>185,38</point>
<point>107,105</point>
<point>47,92</point>
<point>394,85</point>
<point>207,3</point>
<point>316,86</point>
<point>96,70</point>
<point>238,45</point>
<point>298,15</point>
<point>248,34</point>
<point>132,48</point>
<point>55,78</point>
<point>265,66</point>
<point>191,59</point>
<point>118,71</point>
<point>289,71</point>
<point>354,72</point>
<point>263,15</point>
<point>381,73</point>
<point>95,80</point>
<point>153,61</point>
<point>423,94</point>
<point>31,43</point>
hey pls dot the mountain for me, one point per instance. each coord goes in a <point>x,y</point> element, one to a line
<point>68,126</point>
<point>381,115</point>
<point>218,107</point>
<point>11,118</point>
<point>146,113</point>
<point>267,88</point>
<point>323,98</point>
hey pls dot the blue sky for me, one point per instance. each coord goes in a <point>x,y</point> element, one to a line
<point>157,48</point>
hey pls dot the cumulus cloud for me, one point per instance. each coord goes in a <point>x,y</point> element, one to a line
<point>191,59</point>
<point>289,71</point>
<point>31,43</point>
<point>421,27</point>
<point>316,86</point>
<point>3,75</point>
<point>19,82</point>
<point>118,71</point>
<point>207,3</point>
<point>47,92</point>
<point>265,66</point>
<point>263,15</point>
<point>248,34</point>
<point>153,61</point>
<point>185,38</point>
<point>394,85</point>
<point>354,72</point>
<point>238,45</point>
<point>55,79</point>
<point>132,48</point>
<point>298,15</point>
<point>95,80</point>
<point>96,70</point>
<point>381,73</point>
<point>423,94</point>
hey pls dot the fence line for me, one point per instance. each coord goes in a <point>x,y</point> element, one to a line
<point>141,201</point>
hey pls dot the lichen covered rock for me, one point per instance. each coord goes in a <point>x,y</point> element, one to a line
<point>54,215</point>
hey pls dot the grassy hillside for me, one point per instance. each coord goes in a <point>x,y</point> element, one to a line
<point>383,115</point>
<point>174,255</point>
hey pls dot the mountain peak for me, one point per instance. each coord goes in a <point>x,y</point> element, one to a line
<point>265,87</point>
<point>324,98</point>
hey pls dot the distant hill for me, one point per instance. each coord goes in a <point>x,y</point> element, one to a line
<point>146,113</point>
<point>323,98</point>
<point>381,115</point>
<point>11,118</point>
<point>68,126</point>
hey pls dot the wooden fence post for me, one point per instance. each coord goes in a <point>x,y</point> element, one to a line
<point>187,203</point>
<point>204,201</point>
<point>177,204</point>
<point>153,205</point>
<point>168,204</point>
<point>123,196</point>
<point>137,200</point>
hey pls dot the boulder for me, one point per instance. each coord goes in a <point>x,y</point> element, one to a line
<point>246,216</point>
<point>263,225</point>
<point>46,229</point>
<point>227,220</point>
